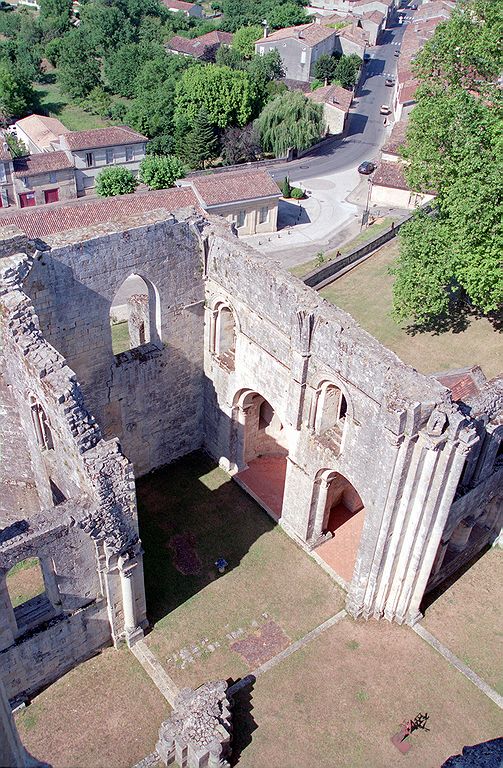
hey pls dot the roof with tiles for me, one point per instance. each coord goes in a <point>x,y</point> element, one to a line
<point>42,130</point>
<point>463,383</point>
<point>389,174</point>
<point>61,217</point>
<point>42,162</point>
<point>197,46</point>
<point>333,95</point>
<point>178,5</point>
<point>356,34</point>
<point>310,34</point>
<point>396,138</point>
<point>407,91</point>
<point>234,187</point>
<point>117,135</point>
<point>376,16</point>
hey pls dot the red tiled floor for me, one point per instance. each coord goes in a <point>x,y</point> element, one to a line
<point>340,552</point>
<point>265,479</point>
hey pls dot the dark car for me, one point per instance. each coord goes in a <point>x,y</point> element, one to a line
<point>389,81</point>
<point>396,52</point>
<point>366,168</point>
<point>413,7</point>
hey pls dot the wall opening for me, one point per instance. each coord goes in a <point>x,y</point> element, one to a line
<point>341,514</point>
<point>41,425</point>
<point>329,412</point>
<point>264,446</point>
<point>135,315</point>
<point>224,336</point>
<point>27,591</point>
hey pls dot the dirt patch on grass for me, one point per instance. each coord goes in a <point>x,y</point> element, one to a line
<point>467,618</point>
<point>337,702</point>
<point>104,713</point>
<point>262,645</point>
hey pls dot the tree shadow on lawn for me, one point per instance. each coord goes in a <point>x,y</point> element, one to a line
<point>456,320</point>
<point>188,520</point>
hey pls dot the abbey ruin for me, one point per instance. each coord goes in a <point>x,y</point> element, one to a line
<point>229,353</point>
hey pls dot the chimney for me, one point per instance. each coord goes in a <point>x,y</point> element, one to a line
<point>5,146</point>
<point>266,28</point>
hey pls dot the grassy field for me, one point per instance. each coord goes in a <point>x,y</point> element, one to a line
<point>365,292</point>
<point>105,712</point>
<point>364,237</point>
<point>55,104</point>
<point>25,581</point>
<point>120,338</point>
<point>191,514</point>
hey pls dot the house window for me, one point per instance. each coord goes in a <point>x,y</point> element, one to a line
<point>89,159</point>
<point>4,198</point>
<point>303,57</point>
<point>52,178</point>
<point>240,219</point>
<point>51,195</point>
<point>129,154</point>
<point>263,215</point>
<point>261,50</point>
<point>110,157</point>
<point>27,199</point>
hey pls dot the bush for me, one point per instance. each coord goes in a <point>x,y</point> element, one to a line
<point>115,181</point>
<point>161,171</point>
<point>297,193</point>
<point>286,189</point>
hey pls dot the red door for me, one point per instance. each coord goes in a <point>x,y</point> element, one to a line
<point>51,195</point>
<point>27,199</point>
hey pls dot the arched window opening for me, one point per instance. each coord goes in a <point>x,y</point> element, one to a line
<point>225,336</point>
<point>331,409</point>
<point>134,315</point>
<point>41,425</point>
<point>28,594</point>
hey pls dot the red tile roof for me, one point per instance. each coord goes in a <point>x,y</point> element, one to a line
<point>178,5</point>
<point>376,16</point>
<point>310,34</point>
<point>234,186</point>
<point>60,217</point>
<point>355,34</point>
<point>464,383</point>
<point>197,46</point>
<point>42,162</point>
<point>396,138</point>
<point>389,174</point>
<point>407,91</point>
<point>102,137</point>
<point>333,95</point>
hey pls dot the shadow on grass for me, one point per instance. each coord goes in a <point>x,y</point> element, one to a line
<point>432,596</point>
<point>190,515</point>
<point>242,719</point>
<point>456,320</point>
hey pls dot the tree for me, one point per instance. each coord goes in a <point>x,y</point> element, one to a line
<point>55,17</point>
<point>201,141</point>
<point>346,71</point>
<point>287,15</point>
<point>99,102</point>
<point>123,64</point>
<point>78,69</point>
<point>244,40</point>
<point>115,181</point>
<point>290,120</point>
<point>160,172</point>
<point>16,94</point>
<point>105,27</point>
<point>228,96</point>
<point>240,145</point>
<point>16,146</point>
<point>325,67</point>
<point>454,147</point>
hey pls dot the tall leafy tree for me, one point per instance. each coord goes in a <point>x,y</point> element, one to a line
<point>346,71</point>
<point>244,40</point>
<point>324,68</point>
<point>78,67</point>
<point>289,120</point>
<point>16,94</point>
<point>160,172</point>
<point>55,17</point>
<point>455,147</point>
<point>115,181</point>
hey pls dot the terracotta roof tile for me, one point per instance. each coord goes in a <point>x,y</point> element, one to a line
<point>42,162</point>
<point>232,187</point>
<point>103,137</point>
<point>310,34</point>
<point>333,95</point>
<point>42,130</point>
<point>178,5</point>
<point>60,217</point>
<point>464,383</point>
<point>389,174</point>
<point>197,46</point>
<point>396,138</point>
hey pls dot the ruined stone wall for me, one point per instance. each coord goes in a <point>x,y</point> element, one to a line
<point>402,444</point>
<point>150,397</point>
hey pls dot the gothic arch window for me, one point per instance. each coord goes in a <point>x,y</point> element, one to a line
<point>330,408</point>
<point>41,425</point>
<point>135,315</point>
<point>223,335</point>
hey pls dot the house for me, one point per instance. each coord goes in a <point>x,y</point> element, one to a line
<point>193,10</point>
<point>299,47</point>
<point>390,152</point>
<point>91,151</point>
<point>351,40</point>
<point>390,189</point>
<point>203,48</point>
<point>46,177</point>
<point>336,102</point>
<point>249,199</point>
<point>372,23</point>
<point>355,7</point>
<point>39,133</point>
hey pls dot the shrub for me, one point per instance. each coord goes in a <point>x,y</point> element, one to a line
<point>161,171</point>
<point>297,193</point>
<point>286,189</point>
<point>115,181</point>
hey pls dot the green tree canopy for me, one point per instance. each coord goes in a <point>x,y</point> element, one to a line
<point>160,172</point>
<point>123,64</point>
<point>324,68</point>
<point>78,68</point>
<point>55,17</point>
<point>16,94</point>
<point>346,71</point>
<point>289,120</point>
<point>228,96</point>
<point>105,27</point>
<point>455,147</point>
<point>244,39</point>
<point>115,181</point>
<point>200,142</point>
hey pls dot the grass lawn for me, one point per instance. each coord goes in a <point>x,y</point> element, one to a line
<point>120,338</point>
<point>55,104</point>
<point>364,237</point>
<point>104,713</point>
<point>191,513</point>
<point>25,581</point>
<point>337,702</point>
<point>365,292</point>
<point>467,618</point>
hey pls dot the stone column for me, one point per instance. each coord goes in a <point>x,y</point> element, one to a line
<point>319,516</point>
<point>127,569</point>
<point>8,623</point>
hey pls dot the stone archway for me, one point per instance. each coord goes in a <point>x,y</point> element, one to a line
<point>261,450</point>
<point>339,515</point>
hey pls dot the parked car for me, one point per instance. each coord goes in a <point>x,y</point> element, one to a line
<point>396,52</point>
<point>366,168</point>
<point>384,110</point>
<point>390,81</point>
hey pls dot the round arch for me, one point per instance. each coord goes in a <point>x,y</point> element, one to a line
<point>136,302</point>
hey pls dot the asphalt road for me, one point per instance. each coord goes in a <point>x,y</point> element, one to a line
<point>366,131</point>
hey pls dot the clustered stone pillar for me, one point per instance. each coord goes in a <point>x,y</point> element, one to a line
<point>199,732</point>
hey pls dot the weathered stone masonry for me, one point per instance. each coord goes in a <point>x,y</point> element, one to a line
<point>243,360</point>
